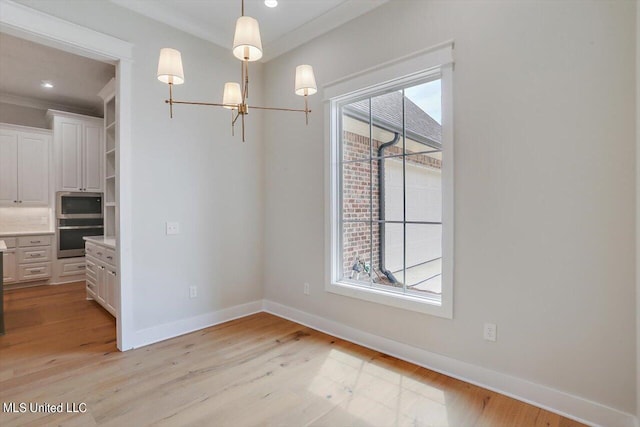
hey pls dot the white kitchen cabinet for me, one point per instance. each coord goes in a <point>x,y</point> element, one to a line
<point>110,283</point>
<point>78,151</point>
<point>28,258</point>
<point>67,270</point>
<point>9,274</point>
<point>24,166</point>
<point>102,279</point>
<point>101,274</point>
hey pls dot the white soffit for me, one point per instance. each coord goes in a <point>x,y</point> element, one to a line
<point>291,24</point>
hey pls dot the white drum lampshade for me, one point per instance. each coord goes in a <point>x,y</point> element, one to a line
<point>232,95</point>
<point>170,66</point>
<point>305,80</point>
<point>247,43</point>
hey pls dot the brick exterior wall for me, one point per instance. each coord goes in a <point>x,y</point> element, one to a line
<point>361,204</point>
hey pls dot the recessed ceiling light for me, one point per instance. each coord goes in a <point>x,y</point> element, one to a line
<point>46,84</point>
<point>271,3</point>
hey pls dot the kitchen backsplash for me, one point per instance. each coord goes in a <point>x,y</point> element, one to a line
<point>25,219</point>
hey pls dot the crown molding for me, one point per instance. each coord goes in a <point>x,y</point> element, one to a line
<point>161,12</point>
<point>40,104</point>
<point>22,21</point>
<point>324,23</point>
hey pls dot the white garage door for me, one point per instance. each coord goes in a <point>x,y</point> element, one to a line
<point>424,203</point>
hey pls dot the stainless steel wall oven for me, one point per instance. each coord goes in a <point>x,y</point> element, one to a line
<point>77,215</point>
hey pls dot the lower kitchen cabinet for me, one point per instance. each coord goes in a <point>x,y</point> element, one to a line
<point>28,258</point>
<point>101,276</point>
<point>10,271</point>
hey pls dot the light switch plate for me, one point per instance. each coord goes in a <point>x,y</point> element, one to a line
<point>173,228</point>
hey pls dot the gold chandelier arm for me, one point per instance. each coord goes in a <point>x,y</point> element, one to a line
<point>235,119</point>
<point>199,103</point>
<point>279,109</point>
<point>211,104</point>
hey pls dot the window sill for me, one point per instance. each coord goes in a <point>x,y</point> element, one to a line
<point>406,302</point>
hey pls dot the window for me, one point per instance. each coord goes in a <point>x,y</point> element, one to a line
<point>391,192</point>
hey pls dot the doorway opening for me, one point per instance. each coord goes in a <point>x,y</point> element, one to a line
<point>28,25</point>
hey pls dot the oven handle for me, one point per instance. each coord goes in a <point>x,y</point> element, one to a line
<point>79,227</point>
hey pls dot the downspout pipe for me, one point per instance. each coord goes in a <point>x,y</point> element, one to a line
<point>381,205</point>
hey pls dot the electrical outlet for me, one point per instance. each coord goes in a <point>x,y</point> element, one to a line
<point>193,291</point>
<point>490,332</point>
<point>173,228</point>
<point>306,289</point>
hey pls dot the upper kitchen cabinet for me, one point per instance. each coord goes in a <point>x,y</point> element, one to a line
<point>24,166</point>
<point>78,151</point>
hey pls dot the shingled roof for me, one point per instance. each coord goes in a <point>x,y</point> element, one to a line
<point>387,113</point>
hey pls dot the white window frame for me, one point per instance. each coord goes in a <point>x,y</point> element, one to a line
<point>415,68</point>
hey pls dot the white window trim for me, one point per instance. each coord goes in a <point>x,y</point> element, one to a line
<point>410,68</point>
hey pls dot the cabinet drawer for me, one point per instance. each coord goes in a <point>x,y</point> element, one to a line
<point>73,268</point>
<point>91,264</point>
<point>34,254</point>
<point>26,241</point>
<point>91,276</point>
<point>91,268</point>
<point>9,241</point>
<point>94,250</point>
<point>34,271</point>
<point>91,285</point>
<point>110,257</point>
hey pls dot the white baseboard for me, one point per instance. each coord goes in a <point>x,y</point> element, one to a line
<point>184,326</point>
<point>559,402</point>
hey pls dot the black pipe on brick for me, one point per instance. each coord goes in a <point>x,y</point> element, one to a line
<point>381,205</point>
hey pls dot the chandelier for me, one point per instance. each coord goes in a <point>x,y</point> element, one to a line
<point>247,47</point>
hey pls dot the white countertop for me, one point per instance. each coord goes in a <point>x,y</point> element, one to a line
<point>3,247</point>
<point>25,233</point>
<point>107,241</point>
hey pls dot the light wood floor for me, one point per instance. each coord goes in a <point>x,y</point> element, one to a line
<point>259,370</point>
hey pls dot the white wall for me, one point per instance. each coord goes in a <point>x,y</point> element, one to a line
<point>545,181</point>
<point>638,208</point>
<point>188,169</point>
<point>24,116</point>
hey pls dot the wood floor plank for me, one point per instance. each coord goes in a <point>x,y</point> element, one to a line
<point>254,371</point>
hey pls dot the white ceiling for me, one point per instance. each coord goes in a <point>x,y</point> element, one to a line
<point>290,24</point>
<point>77,80</point>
